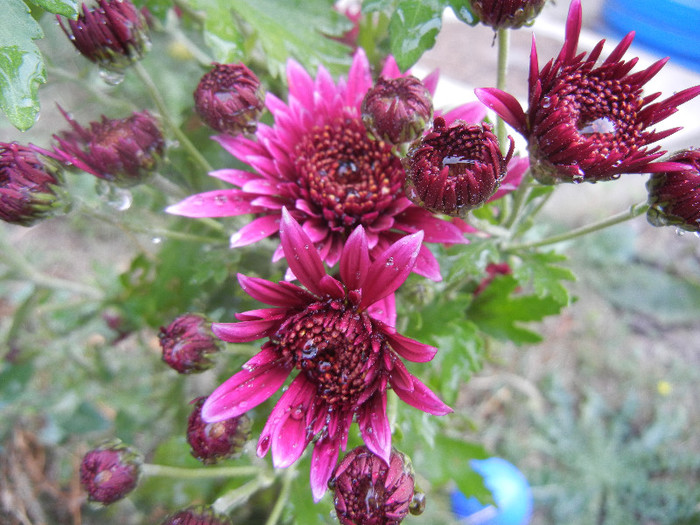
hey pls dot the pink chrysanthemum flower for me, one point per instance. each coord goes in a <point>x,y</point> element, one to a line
<point>320,163</point>
<point>338,333</point>
<point>589,121</point>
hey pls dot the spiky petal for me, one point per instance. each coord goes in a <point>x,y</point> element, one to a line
<point>674,196</point>
<point>589,120</point>
<point>346,354</point>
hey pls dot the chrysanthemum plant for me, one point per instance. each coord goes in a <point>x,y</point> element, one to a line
<point>357,248</point>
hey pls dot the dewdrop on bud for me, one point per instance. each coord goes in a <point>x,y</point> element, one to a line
<point>187,343</point>
<point>674,196</point>
<point>507,14</point>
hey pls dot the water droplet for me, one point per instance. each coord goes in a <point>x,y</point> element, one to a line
<point>220,200</point>
<point>310,350</point>
<point>113,78</point>
<point>157,240</point>
<point>118,198</point>
<point>297,413</point>
<point>324,366</point>
<point>546,102</point>
<point>390,261</point>
<point>599,125</point>
<point>346,168</point>
<point>680,232</point>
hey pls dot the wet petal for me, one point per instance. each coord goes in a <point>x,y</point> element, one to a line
<point>505,105</point>
<point>374,426</point>
<point>254,231</point>
<point>301,254</point>
<point>276,294</point>
<point>354,260</point>
<point>410,348</point>
<point>390,269</point>
<point>245,331</point>
<point>323,460</point>
<point>419,396</point>
<point>219,203</point>
<point>245,390</point>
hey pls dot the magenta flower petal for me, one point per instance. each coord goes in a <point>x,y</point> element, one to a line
<point>374,427</point>
<point>245,331</point>
<point>287,426</point>
<point>323,461</point>
<point>390,269</point>
<point>471,113</point>
<point>354,262</point>
<point>301,254</point>
<point>258,229</point>
<point>419,395</point>
<point>410,348</point>
<point>245,390</point>
<point>219,203</point>
<point>276,294</point>
<point>505,105</point>
<point>384,310</point>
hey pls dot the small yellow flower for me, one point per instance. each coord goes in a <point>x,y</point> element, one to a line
<point>664,388</point>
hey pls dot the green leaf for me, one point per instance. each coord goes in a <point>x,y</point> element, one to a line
<point>296,29</point>
<point>158,8</point>
<point>463,11</point>
<point>543,272</point>
<point>21,65</point>
<point>13,382</point>
<point>498,313</point>
<point>220,31</point>
<point>383,6</point>
<point>67,8</point>
<point>413,29</point>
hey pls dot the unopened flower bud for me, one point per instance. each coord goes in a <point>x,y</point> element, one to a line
<point>367,490</point>
<point>30,186</point>
<point>197,515</point>
<point>674,196</point>
<point>492,271</point>
<point>109,472</point>
<point>456,169</point>
<point>113,34</point>
<point>507,14</point>
<point>397,110</point>
<point>229,99</point>
<point>211,442</point>
<point>187,343</point>
<point>121,151</point>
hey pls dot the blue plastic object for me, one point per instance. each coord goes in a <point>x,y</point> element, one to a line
<point>669,27</point>
<point>510,491</point>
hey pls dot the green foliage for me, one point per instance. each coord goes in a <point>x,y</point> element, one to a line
<point>542,270</point>
<point>613,464</point>
<point>499,310</point>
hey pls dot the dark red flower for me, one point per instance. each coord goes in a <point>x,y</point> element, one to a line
<point>492,270</point>
<point>505,14</point>
<point>211,442</point>
<point>187,343</point>
<point>456,169</point>
<point>674,196</point>
<point>339,335</point>
<point>114,34</point>
<point>370,491</point>
<point>109,472</point>
<point>588,121</point>
<point>397,110</point>
<point>30,186</point>
<point>197,515</point>
<point>229,99</point>
<point>122,151</point>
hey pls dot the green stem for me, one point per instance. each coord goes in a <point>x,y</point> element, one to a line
<point>519,198</point>
<point>148,469</point>
<point>165,114</point>
<point>501,78</point>
<point>283,498</point>
<point>635,211</point>
<point>241,494</point>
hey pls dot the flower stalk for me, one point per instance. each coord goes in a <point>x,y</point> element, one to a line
<point>167,471</point>
<point>501,82</point>
<point>634,211</point>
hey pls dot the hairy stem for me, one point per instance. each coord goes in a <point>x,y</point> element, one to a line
<point>165,471</point>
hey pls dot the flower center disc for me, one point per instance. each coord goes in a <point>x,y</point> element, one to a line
<point>332,346</point>
<point>346,177</point>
